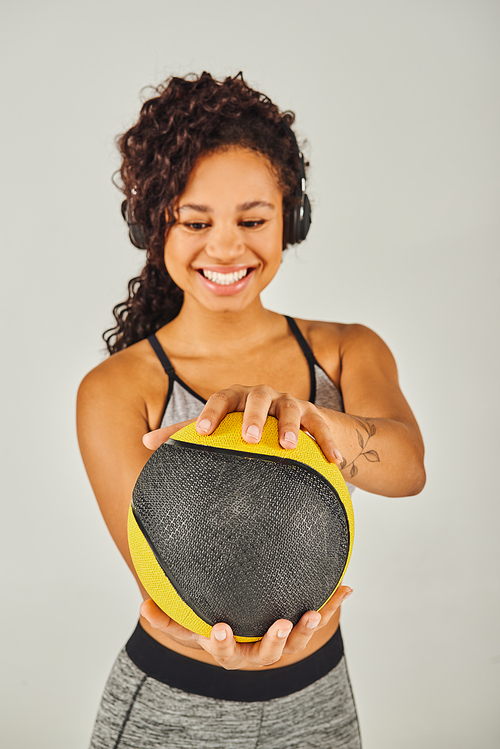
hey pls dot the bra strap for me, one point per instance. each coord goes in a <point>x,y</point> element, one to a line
<point>307,351</point>
<point>160,353</point>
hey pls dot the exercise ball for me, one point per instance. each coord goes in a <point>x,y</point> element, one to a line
<point>221,530</point>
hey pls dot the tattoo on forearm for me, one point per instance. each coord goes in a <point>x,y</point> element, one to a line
<point>365,433</point>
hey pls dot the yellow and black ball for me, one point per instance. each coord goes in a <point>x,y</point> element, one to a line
<point>225,531</point>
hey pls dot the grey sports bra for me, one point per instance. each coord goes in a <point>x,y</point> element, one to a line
<point>182,403</point>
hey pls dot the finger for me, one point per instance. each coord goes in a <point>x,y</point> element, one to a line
<point>223,647</point>
<point>219,405</point>
<point>329,609</point>
<point>155,616</point>
<point>312,621</point>
<point>164,623</point>
<point>270,648</point>
<point>302,632</point>
<point>315,424</point>
<point>153,440</point>
<point>258,403</point>
<point>288,413</point>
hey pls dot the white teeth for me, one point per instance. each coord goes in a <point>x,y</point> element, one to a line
<point>224,279</point>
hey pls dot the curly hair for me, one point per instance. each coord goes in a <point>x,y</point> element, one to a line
<point>188,118</point>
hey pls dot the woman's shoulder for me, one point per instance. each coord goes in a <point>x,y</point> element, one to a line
<point>131,374</point>
<point>325,338</point>
<point>347,347</point>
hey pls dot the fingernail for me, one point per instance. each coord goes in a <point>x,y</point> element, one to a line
<point>252,431</point>
<point>204,425</point>
<point>312,623</point>
<point>346,595</point>
<point>337,454</point>
<point>290,438</point>
<point>220,634</point>
<point>284,632</point>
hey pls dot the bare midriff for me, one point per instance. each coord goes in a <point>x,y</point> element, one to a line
<point>317,641</point>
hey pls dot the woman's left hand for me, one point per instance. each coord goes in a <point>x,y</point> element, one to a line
<point>257,402</point>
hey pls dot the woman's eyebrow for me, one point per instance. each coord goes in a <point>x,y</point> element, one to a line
<point>241,207</point>
<point>195,207</point>
<point>254,204</point>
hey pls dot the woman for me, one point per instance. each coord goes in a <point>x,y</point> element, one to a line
<point>212,177</point>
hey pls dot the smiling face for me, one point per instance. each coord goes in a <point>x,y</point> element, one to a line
<point>226,244</point>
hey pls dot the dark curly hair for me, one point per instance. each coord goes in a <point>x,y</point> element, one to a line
<point>188,118</point>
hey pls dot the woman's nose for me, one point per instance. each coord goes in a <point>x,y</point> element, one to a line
<point>225,243</point>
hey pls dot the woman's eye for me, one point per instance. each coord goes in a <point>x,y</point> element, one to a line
<point>200,225</point>
<point>252,224</point>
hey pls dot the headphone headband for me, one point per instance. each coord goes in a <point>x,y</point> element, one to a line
<point>295,224</point>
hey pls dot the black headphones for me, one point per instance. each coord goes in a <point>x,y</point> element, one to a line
<point>297,222</point>
<point>136,232</point>
<point>295,225</point>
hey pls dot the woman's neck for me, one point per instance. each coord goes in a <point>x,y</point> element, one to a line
<point>205,329</point>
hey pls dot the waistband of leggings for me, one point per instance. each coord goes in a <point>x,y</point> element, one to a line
<point>196,677</point>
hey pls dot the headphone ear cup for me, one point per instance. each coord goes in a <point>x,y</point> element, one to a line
<point>297,223</point>
<point>305,220</point>
<point>135,231</point>
<point>137,237</point>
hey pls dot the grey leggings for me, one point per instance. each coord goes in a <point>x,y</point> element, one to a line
<point>139,712</point>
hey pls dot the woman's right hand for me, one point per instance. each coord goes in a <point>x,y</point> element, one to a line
<point>280,639</point>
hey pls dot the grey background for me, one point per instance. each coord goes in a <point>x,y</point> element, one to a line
<point>399,102</point>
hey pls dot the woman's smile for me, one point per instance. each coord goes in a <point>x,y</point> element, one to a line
<point>225,280</point>
<point>224,277</point>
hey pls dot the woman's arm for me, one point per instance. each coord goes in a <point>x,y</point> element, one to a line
<point>379,438</point>
<point>111,421</point>
<point>376,442</point>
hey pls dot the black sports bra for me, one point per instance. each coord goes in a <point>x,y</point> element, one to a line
<point>182,403</point>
